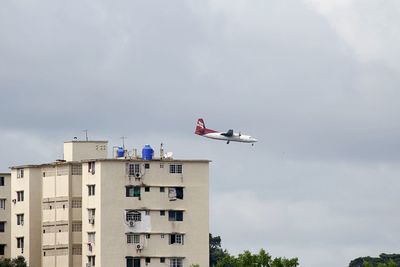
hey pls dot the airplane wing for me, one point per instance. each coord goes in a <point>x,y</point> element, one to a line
<point>229,133</point>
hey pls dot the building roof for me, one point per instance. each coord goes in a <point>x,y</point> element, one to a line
<point>84,141</point>
<point>154,159</point>
<point>60,163</point>
<point>57,163</point>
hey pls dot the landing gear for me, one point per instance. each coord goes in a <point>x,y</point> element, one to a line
<point>252,144</point>
<point>227,142</point>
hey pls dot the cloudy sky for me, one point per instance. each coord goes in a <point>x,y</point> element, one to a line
<point>316,81</point>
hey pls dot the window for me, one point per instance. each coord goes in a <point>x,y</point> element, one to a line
<point>148,236</point>
<point>174,262</point>
<point>132,262</point>
<point>175,168</point>
<point>76,170</point>
<point>162,260</point>
<point>148,260</point>
<point>147,189</point>
<point>1,181</point>
<point>147,166</point>
<point>92,261</point>
<point>92,167</point>
<point>91,189</point>
<point>175,215</point>
<point>20,173</point>
<point>20,242</point>
<point>147,212</point>
<point>132,238</point>
<point>2,253</point>
<point>2,204</point>
<point>77,227</point>
<point>134,169</point>
<point>133,216</point>
<point>162,235</point>
<point>161,165</point>
<point>91,215</point>
<point>162,189</point>
<point>76,203</point>
<point>176,239</point>
<point>20,195</point>
<point>20,219</point>
<point>175,193</point>
<point>92,237</point>
<point>162,212</point>
<point>2,227</point>
<point>133,191</point>
<point>77,250</point>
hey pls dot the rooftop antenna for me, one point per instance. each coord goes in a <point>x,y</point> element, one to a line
<point>161,151</point>
<point>123,141</point>
<point>86,134</point>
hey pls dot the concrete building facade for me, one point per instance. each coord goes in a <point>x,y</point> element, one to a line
<point>5,215</point>
<point>26,193</point>
<point>88,210</point>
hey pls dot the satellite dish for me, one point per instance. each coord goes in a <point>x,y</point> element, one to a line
<point>168,155</point>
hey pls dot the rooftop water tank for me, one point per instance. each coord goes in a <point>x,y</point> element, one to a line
<point>147,152</point>
<point>120,152</point>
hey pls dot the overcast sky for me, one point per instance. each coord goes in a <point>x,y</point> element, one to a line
<point>316,81</point>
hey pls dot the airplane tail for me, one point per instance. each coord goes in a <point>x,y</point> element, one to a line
<point>200,127</point>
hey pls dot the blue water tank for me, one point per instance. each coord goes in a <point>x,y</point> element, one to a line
<point>120,152</point>
<point>147,152</point>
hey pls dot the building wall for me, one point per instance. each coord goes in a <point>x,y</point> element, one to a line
<point>110,202</point>
<point>82,150</point>
<point>31,184</point>
<point>62,185</point>
<point>5,215</point>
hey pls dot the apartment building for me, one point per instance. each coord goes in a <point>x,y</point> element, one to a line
<point>5,215</point>
<point>26,194</point>
<point>145,213</point>
<point>87,210</point>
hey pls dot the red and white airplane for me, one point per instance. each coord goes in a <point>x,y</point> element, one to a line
<point>228,136</point>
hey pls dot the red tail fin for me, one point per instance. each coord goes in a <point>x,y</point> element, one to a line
<point>200,127</point>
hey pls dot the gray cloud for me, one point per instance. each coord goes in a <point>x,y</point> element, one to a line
<point>309,79</point>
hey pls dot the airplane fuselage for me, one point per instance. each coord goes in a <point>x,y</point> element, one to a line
<point>236,137</point>
<point>228,136</point>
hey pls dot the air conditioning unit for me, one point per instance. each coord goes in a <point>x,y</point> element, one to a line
<point>91,220</point>
<point>139,246</point>
<point>14,201</point>
<point>131,223</point>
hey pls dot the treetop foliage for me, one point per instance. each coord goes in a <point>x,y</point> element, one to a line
<point>221,258</point>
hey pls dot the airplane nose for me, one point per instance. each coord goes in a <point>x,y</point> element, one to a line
<point>255,140</point>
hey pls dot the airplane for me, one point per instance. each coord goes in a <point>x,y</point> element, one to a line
<point>228,136</point>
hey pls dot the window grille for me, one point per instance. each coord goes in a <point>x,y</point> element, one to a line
<point>77,250</point>
<point>133,169</point>
<point>77,227</point>
<point>175,168</point>
<point>76,169</point>
<point>76,203</point>
<point>174,262</point>
<point>133,216</point>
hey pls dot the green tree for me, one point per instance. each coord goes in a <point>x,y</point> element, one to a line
<point>19,262</point>
<point>221,258</point>
<point>5,263</point>
<point>216,251</point>
<point>263,259</point>
<point>227,261</point>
